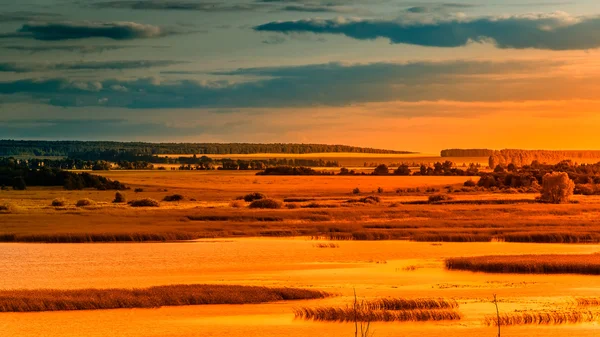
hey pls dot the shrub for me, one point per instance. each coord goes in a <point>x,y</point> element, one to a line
<point>379,190</point>
<point>138,190</point>
<point>174,197</point>
<point>58,202</point>
<point>370,200</point>
<point>266,203</point>
<point>19,184</point>
<point>356,191</point>
<point>470,183</point>
<point>147,202</point>
<point>3,188</point>
<point>381,170</point>
<point>292,205</point>
<point>237,204</point>
<point>254,196</point>
<point>119,198</point>
<point>84,202</point>
<point>438,198</point>
<point>556,188</point>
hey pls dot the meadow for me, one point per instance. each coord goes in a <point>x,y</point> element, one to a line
<point>419,267</point>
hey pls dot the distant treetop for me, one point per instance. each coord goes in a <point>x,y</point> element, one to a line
<point>467,153</point>
<point>64,148</point>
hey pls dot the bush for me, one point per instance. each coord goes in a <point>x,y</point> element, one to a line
<point>19,184</point>
<point>237,204</point>
<point>356,191</point>
<point>266,203</point>
<point>59,202</point>
<point>254,196</point>
<point>470,183</point>
<point>119,198</point>
<point>381,170</point>
<point>557,188</point>
<point>438,198</point>
<point>292,205</point>
<point>147,202</point>
<point>138,190</point>
<point>174,197</point>
<point>370,200</point>
<point>379,190</point>
<point>84,202</point>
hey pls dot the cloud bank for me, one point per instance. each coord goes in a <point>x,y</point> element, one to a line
<point>58,31</point>
<point>332,84</point>
<point>556,31</point>
<point>18,67</point>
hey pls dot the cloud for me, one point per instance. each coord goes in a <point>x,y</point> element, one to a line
<point>74,49</point>
<point>556,31</point>
<point>179,5</point>
<point>58,31</point>
<point>332,84</point>
<point>27,16</point>
<point>90,129</point>
<point>98,65</point>
<point>328,8</point>
<point>442,7</point>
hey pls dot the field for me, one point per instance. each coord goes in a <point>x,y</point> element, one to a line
<point>351,160</point>
<point>393,250</point>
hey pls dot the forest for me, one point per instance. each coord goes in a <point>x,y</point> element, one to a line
<point>68,148</point>
<point>521,158</point>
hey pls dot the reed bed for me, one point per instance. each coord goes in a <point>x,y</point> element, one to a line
<point>543,318</point>
<point>348,314</point>
<point>171,295</point>
<point>99,238</point>
<point>587,301</point>
<point>410,304</point>
<point>529,264</point>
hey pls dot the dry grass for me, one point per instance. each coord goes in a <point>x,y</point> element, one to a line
<point>171,295</point>
<point>587,301</point>
<point>101,237</point>
<point>8,207</point>
<point>266,203</point>
<point>529,264</point>
<point>348,314</point>
<point>147,202</point>
<point>543,318</point>
<point>411,304</point>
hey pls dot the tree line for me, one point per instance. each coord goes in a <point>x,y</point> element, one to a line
<point>67,148</point>
<point>521,158</point>
<point>19,174</point>
<point>467,153</point>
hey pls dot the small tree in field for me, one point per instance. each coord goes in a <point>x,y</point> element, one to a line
<point>557,188</point>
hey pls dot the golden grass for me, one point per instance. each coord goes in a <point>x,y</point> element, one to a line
<point>171,295</point>
<point>543,318</point>
<point>529,264</point>
<point>410,304</point>
<point>587,301</point>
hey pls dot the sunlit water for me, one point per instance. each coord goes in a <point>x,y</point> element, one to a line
<point>372,268</point>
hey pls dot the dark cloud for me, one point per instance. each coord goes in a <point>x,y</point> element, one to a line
<point>552,32</point>
<point>323,84</point>
<point>274,40</point>
<point>96,129</point>
<point>99,65</point>
<point>74,49</point>
<point>443,7</point>
<point>83,30</point>
<point>27,16</point>
<point>324,9</point>
<point>179,5</point>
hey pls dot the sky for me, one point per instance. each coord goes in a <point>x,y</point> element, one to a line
<point>394,74</point>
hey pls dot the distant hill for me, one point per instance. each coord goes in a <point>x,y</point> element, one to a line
<point>64,148</point>
<point>467,153</point>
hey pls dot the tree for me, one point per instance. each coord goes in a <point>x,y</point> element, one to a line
<point>557,187</point>
<point>402,170</point>
<point>381,170</point>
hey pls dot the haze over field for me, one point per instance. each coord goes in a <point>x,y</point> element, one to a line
<point>380,74</point>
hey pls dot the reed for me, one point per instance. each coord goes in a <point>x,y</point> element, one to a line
<point>529,264</point>
<point>361,314</point>
<point>153,297</point>
<point>542,318</point>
